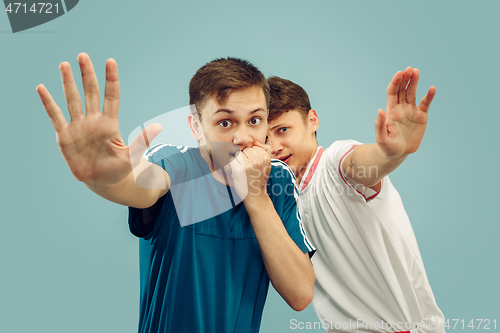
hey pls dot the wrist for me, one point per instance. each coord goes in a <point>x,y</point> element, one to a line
<point>114,185</point>
<point>392,157</point>
<point>254,202</point>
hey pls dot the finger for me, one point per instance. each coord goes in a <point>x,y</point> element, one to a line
<point>55,114</point>
<point>402,86</point>
<point>90,85</point>
<point>411,91</point>
<point>248,152</point>
<point>112,89</point>
<point>392,90</point>
<point>269,142</point>
<point>238,158</point>
<point>267,148</point>
<point>251,155</point>
<point>426,101</point>
<point>380,127</point>
<point>143,141</point>
<point>263,151</point>
<point>70,91</point>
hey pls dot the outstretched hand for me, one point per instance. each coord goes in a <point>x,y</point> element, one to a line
<point>399,132</point>
<point>91,144</point>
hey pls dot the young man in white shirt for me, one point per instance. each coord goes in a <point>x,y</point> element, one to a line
<point>369,272</point>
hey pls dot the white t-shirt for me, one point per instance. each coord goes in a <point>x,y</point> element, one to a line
<point>369,271</point>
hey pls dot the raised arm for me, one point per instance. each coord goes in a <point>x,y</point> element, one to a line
<point>92,145</point>
<point>398,132</point>
<point>290,271</point>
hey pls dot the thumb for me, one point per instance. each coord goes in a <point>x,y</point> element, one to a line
<point>380,127</point>
<point>426,101</point>
<point>142,142</point>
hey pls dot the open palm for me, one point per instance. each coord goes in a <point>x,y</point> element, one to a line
<point>399,132</point>
<point>91,144</point>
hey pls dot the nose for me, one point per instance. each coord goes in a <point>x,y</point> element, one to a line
<point>243,138</point>
<point>276,146</point>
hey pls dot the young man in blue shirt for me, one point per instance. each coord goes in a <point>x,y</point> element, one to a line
<point>203,268</point>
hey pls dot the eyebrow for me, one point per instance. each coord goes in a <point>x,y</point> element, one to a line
<point>231,111</point>
<point>278,125</point>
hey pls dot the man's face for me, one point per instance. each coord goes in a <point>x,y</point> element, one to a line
<point>292,139</point>
<point>234,125</point>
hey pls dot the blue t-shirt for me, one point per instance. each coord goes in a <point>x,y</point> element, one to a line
<point>204,272</point>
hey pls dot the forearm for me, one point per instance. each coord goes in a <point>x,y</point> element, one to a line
<point>289,270</point>
<point>367,164</point>
<point>142,191</point>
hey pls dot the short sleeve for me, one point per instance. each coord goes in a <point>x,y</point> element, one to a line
<point>338,151</point>
<point>142,221</point>
<point>171,159</point>
<point>335,155</point>
<point>284,186</point>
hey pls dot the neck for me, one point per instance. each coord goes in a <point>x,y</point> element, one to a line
<point>302,169</point>
<point>222,175</point>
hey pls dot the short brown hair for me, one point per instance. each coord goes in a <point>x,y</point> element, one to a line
<point>223,76</point>
<point>285,96</point>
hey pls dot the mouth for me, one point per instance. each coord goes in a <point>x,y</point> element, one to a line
<point>285,158</point>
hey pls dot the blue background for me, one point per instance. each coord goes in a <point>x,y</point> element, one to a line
<point>68,262</point>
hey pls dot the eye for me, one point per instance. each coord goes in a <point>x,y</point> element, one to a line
<point>254,121</point>
<point>225,123</point>
<point>282,129</point>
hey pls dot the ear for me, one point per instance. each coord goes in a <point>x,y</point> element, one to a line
<point>195,126</point>
<point>313,121</point>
